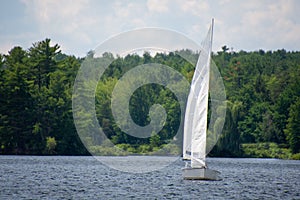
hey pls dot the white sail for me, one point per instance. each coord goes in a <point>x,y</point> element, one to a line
<point>195,124</point>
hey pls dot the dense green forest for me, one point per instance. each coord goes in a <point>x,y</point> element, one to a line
<point>36,85</point>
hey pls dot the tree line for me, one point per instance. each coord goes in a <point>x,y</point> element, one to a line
<point>262,89</point>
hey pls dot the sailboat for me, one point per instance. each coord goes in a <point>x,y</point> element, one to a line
<point>195,122</point>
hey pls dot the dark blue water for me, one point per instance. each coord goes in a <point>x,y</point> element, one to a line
<point>65,177</point>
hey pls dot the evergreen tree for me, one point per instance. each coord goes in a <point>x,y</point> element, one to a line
<point>292,130</point>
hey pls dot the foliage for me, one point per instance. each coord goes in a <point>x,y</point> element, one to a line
<point>293,127</point>
<point>265,88</point>
<point>35,104</point>
<point>266,150</point>
<point>106,151</point>
<point>262,114</point>
<point>50,145</point>
<point>296,156</point>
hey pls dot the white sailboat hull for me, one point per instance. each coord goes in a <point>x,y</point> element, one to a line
<point>201,174</point>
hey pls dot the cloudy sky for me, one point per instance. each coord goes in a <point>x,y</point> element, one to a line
<point>81,25</point>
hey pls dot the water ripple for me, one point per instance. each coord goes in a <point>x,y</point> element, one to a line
<point>66,177</point>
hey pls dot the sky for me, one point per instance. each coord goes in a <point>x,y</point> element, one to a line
<point>79,26</point>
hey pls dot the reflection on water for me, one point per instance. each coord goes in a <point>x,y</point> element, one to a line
<point>66,177</point>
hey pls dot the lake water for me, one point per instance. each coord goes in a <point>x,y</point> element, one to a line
<point>67,177</point>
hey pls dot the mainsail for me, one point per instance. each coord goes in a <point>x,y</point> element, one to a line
<point>195,123</point>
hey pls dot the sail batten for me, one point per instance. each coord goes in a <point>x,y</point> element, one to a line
<point>195,124</point>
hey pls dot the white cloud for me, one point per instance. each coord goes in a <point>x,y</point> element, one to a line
<point>270,24</point>
<point>251,25</point>
<point>124,9</point>
<point>69,22</point>
<point>196,7</point>
<point>60,16</point>
<point>160,6</point>
<point>128,15</point>
<point>79,26</point>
